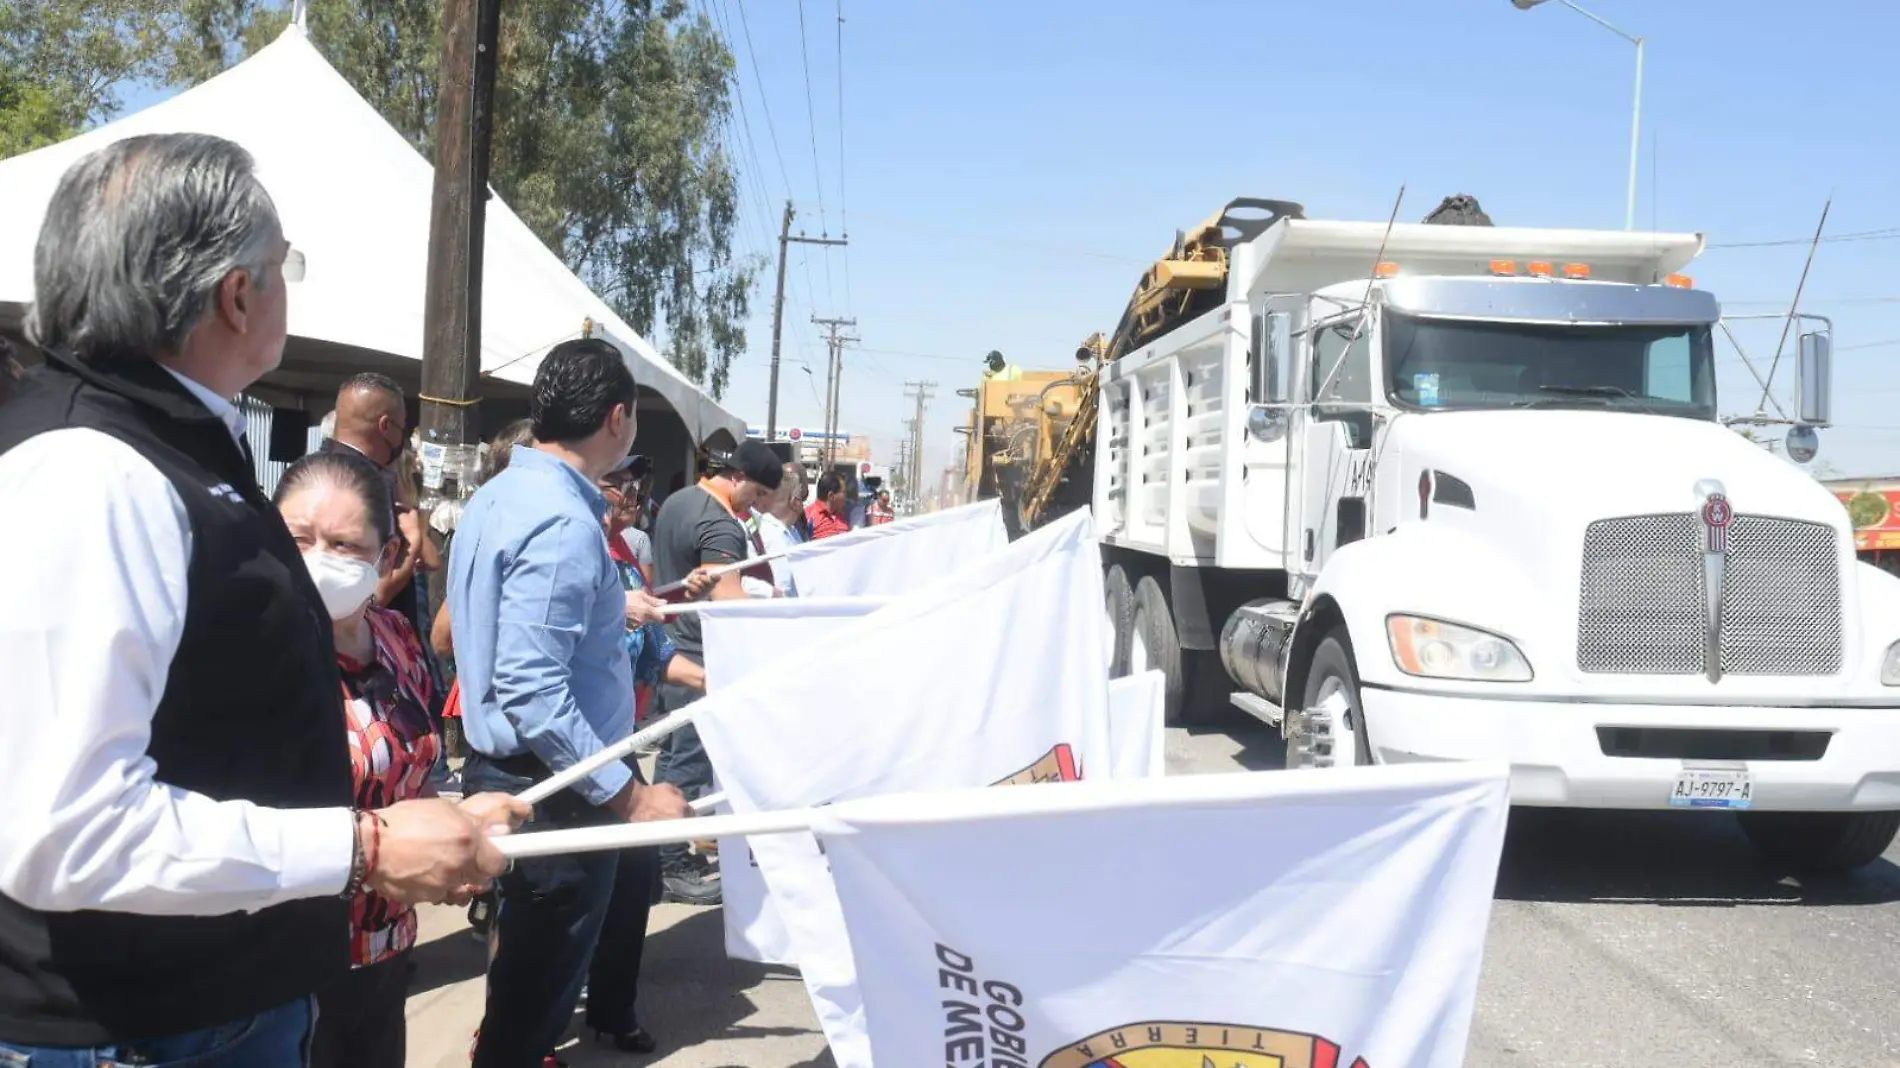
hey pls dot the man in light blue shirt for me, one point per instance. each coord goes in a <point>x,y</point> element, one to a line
<point>539,615</point>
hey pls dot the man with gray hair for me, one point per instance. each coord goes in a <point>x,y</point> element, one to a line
<point>179,851</point>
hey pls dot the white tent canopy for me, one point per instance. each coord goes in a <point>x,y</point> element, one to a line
<point>354,196</point>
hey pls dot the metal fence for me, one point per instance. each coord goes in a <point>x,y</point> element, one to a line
<point>258,417</point>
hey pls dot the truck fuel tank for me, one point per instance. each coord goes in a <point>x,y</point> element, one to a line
<point>1254,643</point>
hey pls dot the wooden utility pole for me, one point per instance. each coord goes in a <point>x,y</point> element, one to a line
<point>834,376</point>
<point>904,488</point>
<point>785,240</point>
<point>921,393</point>
<point>452,310</point>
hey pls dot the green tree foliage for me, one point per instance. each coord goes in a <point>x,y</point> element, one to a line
<point>60,62</point>
<point>30,116</point>
<point>63,63</point>
<point>608,115</point>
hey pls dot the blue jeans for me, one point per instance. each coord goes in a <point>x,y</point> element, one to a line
<point>683,760</point>
<point>554,911</point>
<point>279,1038</point>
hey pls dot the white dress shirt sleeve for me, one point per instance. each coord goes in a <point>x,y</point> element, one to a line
<point>754,587</point>
<point>93,559</point>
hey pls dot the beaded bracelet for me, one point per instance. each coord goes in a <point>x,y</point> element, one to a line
<point>375,844</point>
<point>363,863</point>
<point>359,870</point>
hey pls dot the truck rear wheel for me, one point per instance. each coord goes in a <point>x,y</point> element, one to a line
<point>1156,647</point>
<point>1823,843</point>
<point>1120,595</point>
<point>1192,694</point>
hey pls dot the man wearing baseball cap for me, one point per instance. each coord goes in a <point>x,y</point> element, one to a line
<point>700,526</point>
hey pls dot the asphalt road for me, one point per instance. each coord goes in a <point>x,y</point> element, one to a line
<point>1618,940</point>
<point>1638,939</point>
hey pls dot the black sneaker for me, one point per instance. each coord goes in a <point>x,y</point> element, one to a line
<point>691,881</point>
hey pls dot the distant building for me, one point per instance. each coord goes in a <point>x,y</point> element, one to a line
<point>852,450</point>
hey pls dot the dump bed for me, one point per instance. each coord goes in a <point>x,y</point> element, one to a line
<point>1305,255</point>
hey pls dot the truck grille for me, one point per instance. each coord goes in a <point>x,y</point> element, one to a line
<point>1641,609</point>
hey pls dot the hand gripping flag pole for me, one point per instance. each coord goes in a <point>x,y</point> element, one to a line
<point>672,590</point>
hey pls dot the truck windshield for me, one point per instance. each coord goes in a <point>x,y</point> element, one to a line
<point>1449,363</point>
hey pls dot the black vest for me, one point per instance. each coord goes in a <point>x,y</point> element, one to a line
<point>252,710</point>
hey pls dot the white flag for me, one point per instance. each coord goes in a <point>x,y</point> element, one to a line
<point>901,557</point>
<point>996,677</point>
<point>1265,920</point>
<point>742,637</point>
<point>1137,726</point>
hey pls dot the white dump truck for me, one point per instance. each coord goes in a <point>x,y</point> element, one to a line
<point>1429,492</point>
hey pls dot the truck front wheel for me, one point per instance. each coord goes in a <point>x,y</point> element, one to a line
<point>1822,843</point>
<point>1331,714</point>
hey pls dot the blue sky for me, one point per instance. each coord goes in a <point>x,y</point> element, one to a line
<point>1009,168</point>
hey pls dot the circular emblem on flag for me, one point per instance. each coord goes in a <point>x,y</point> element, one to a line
<point>1716,511</point>
<point>1168,1044</point>
<point>864,469</point>
<point>794,434</point>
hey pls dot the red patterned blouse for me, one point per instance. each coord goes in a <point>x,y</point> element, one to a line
<point>392,748</point>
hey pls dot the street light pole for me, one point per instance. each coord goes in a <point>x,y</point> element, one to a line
<point>1636,111</point>
<point>1636,132</point>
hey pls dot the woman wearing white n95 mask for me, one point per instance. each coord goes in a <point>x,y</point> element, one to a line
<point>339,512</point>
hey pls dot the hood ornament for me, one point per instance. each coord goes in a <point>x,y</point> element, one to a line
<point>1717,515</point>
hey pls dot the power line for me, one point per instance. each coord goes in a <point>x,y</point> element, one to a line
<point>1887,233</point>
<point>771,129</point>
<point>997,239</point>
<point>1868,345</point>
<point>756,187</point>
<point>817,171</point>
<point>1782,302</point>
<point>1739,361</point>
<point>921,355</point>
<point>811,115</point>
<point>844,218</point>
<point>805,265</point>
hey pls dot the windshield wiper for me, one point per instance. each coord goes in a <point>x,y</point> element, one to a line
<point>1589,391</point>
<point>1612,397</point>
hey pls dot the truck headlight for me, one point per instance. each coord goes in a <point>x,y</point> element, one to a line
<point>1890,666</point>
<point>1434,649</point>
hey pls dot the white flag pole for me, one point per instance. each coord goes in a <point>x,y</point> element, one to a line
<point>711,801</point>
<point>722,570</point>
<point>654,833</point>
<point>561,780</point>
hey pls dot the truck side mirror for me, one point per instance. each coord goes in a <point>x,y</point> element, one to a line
<point>1817,378</point>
